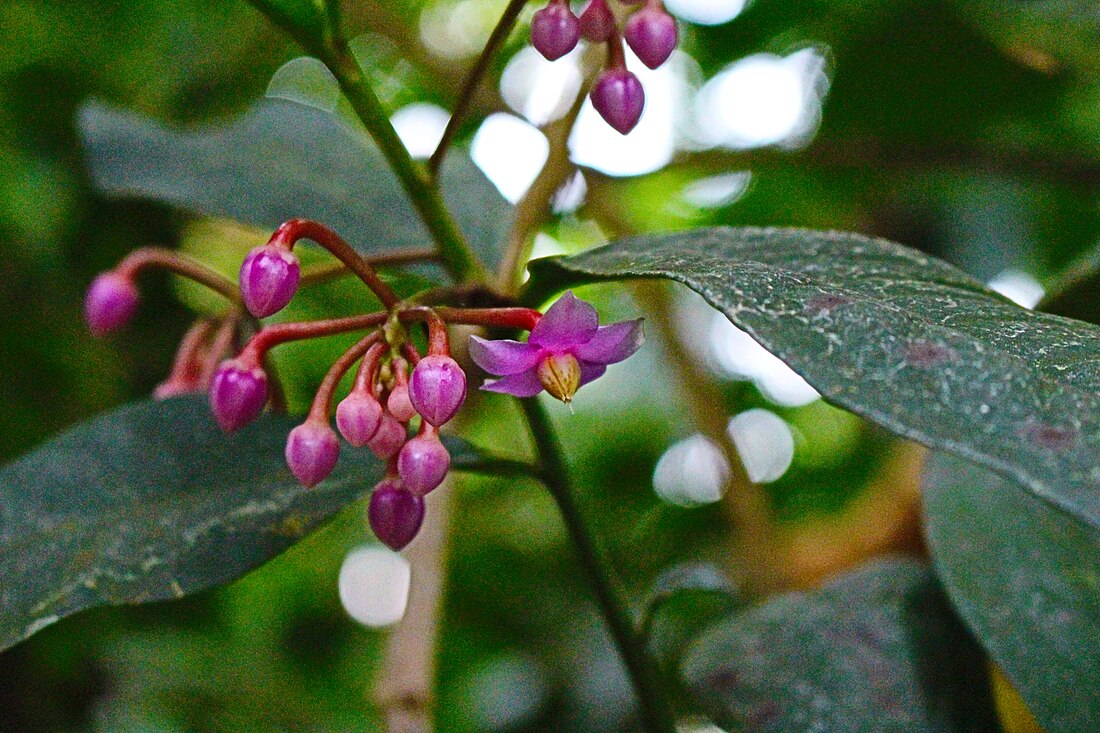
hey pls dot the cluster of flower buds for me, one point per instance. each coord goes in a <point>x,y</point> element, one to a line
<point>617,94</point>
<point>395,390</point>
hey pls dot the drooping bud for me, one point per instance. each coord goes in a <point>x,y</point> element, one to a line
<point>437,388</point>
<point>312,449</point>
<point>399,404</point>
<point>238,394</point>
<point>619,98</point>
<point>423,463</point>
<point>388,439</point>
<point>269,279</point>
<point>110,303</point>
<point>555,30</point>
<point>560,375</point>
<point>597,22</point>
<point>651,33</point>
<point>358,416</point>
<point>395,514</point>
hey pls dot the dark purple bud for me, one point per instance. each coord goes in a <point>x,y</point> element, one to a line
<point>597,21</point>
<point>651,32</point>
<point>423,463</point>
<point>110,304</point>
<point>269,279</point>
<point>238,394</point>
<point>388,439</point>
<point>400,404</point>
<point>437,388</point>
<point>618,96</point>
<point>395,514</point>
<point>358,416</point>
<point>311,452</point>
<point>555,30</point>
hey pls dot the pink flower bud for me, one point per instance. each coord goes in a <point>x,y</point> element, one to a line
<point>269,279</point>
<point>110,304</point>
<point>238,394</point>
<point>555,30</point>
<point>311,452</point>
<point>358,416</point>
<point>395,514</point>
<point>597,22</point>
<point>651,32</point>
<point>423,463</point>
<point>399,404</point>
<point>437,388</point>
<point>388,439</point>
<point>618,96</point>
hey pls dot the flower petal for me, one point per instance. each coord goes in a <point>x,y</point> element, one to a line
<point>590,371</point>
<point>612,343</point>
<point>524,384</point>
<point>568,322</point>
<point>503,356</point>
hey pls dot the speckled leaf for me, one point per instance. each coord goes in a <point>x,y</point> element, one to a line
<point>279,161</point>
<point>1026,578</point>
<point>898,337</point>
<point>152,502</point>
<point>878,651</point>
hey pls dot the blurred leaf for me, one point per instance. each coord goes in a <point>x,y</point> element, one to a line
<point>903,339</point>
<point>683,600</point>
<point>1041,33</point>
<point>152,502</point>
<point>282,160</point>
<point>1027,580</point>
<point>878,650</point>
<point>313,23</point>
<point>1076,294</point>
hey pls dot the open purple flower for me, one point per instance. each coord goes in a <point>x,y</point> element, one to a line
<point>567,349</point>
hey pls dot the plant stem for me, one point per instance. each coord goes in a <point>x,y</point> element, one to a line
<point>454,252</point>
<point>499,35</point>
<point>166,259</point>
<point>656,709</point>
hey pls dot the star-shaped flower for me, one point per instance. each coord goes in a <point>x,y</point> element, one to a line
<point>567,349</point>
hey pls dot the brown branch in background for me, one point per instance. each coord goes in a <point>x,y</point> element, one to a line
<point>334,270</point>
<point>406,683</point>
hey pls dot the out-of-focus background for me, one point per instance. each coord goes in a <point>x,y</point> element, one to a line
<point>967,128</point>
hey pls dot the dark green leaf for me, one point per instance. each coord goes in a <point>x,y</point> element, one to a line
<point>683,600</point>
<point>877,651</point>
<point>898,337</point>
<point>312,23</point>
<point>1027,579</point>
<point>279,161</point>
<point>152,502</point>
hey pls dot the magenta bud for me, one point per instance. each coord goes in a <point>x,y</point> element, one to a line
<point>423,463</point>
<point>437,388</point>
<point>618,96</point>
<point>238,394</point>
<point>399,403</point>
<point>358,416</point>
<point>597,22</point>
<point>395,514</point>
<point>555,30</point>
<point>111,302</point>
<point>269,279</point>
<point>311,452</point>
<point>651,33</point>
<point>388,439</point>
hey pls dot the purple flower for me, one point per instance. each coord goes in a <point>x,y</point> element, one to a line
<point>437,388</point>
<point>566,350</point>
<point>110,303</point>
<point>312,450</point>
<point>238,394</point>
<point>423,463</point>
<point>395,514</point>
<point>651,33</point>
<point>619,98</point>
<point>555,30</point>
<point>269,278</point>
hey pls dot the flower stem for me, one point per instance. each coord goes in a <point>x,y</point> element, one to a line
<point>656,709</point>
<point>166,259</point>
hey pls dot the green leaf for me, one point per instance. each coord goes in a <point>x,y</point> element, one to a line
<point>313,23</point>
<point>684,599</point>
<point>279,161</point>
<point>152,502</point>
<point>903,339</point>
<point>1026,578</point>
<point>877,651</point>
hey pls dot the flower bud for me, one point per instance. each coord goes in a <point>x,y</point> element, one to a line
<point>618,96</point>
<point>400,404</point>
<point>358,416</point>
<point>311,452</point>
<point>597,22</point>
<point>269,279</point>
<point>110,303</point>
<point>651,33</point>
<point>437,388</point>
<point>555,30</point>
<point>423,463</point>
<point>238,394</point>
<point>560,375</point>
<point>395,514</point>
<point>388,439</point>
